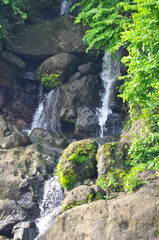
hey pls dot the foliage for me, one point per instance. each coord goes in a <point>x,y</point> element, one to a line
<point>50,79</point>
<point>104,21</point>
<point>134,25</point>
<point>141,86</point>
<point>117,180</point>
<point>12,13</point>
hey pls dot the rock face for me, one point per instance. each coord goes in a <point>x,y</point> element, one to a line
<point>82,194</point>
<point>129,216</point>
<point>21,166</point>
<point>79,100</point>
<point>78,162</point>
<point>111,155</point>
<point>10,214</point>
<point>25,231</point>
<point>64,62</point>
<point>44,40</point>
<point>10,136</point>
<point>13,60</point>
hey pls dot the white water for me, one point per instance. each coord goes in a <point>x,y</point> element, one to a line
<point>50,206</point>
<point>46,114</point>
<point>65,7</point>
<point>110,71</point>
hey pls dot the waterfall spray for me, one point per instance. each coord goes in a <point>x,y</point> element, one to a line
<point>65,7</point>
<point>110,71</point>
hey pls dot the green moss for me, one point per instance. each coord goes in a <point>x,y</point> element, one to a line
<point>67,178</point>
<point>82,153</point>
<point>72,205</point>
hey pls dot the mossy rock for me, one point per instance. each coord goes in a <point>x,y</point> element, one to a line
<point>78,162</point>
<point>111,155</point>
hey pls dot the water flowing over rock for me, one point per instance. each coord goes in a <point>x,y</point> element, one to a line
<point>111,70</point>
<point>41,41</point>
<point>65,7</point>
<point>46,116</point>
<point>50,206</point>
<point>128,216</point>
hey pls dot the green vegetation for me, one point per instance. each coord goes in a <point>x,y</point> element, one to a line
<point>132,24</point>
<point>13,13</point>
<point>51,79</point>
<point>72,163</point>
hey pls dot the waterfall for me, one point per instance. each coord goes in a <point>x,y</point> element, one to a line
<point>110,71</point>
<point>65,7</point>
<point>50,206</point>
<point>46,114</point>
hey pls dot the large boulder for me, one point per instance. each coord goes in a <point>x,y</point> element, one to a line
<point>39,135</point>
<point>10,136</point>
<point>43,40</point>
<point>79,100</point>
<point>81,195</point>
<point>63,62</point>
<point>10,214</point>
<point>86,123</point>
<point>78,162</point>
<point>23,171</point>
<point>13,60</point>
<point>129,216</point>
<point>111,155</point>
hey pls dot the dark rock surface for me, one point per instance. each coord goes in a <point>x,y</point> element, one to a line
<point>43,40</point>
<point>64,62</point>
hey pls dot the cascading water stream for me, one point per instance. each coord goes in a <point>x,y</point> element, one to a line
<point>110,71</point>
<point>65,7</point>
<point>46,114</point>
<point>50,206</point>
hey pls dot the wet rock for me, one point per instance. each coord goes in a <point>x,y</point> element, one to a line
<point>78,162</point>
<point>25,231</point>
<point>6,71</point>
<point>10,136</point>
<point>63,62</point>
<point>43,40</point>
<point>89,68</point>
<point>111,155</point>
<point>75,77</point>
<point>129,216</point>
<point>82,94</point>
<point>10,214</point>
<point>24,107</point>
<point>4,238</point>
<point>27,76</point>
<point>86,123</point>
<point>13,60</point>
<point>5,96</point>
<point>53,138</point>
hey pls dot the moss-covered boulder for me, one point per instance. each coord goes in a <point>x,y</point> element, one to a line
<point>78,162</point>
<point>81,195</point>
<point>111,155</point>
<point>44,40</point>
<point>78,196</point>
<point>64,63</point>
